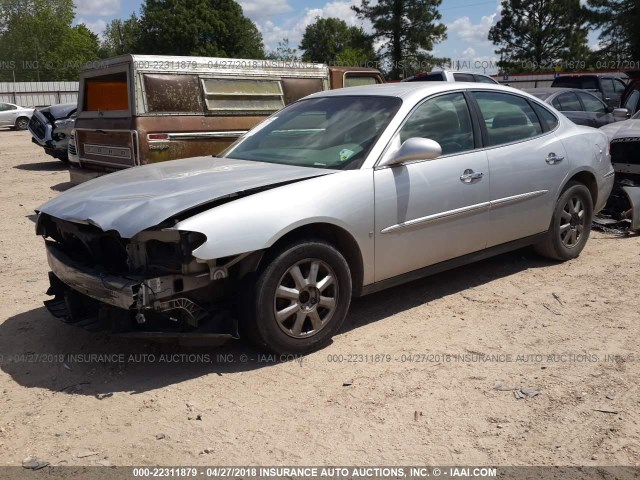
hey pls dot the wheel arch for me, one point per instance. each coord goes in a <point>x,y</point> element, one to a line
<point>336,236</point>
<point>588,179</point>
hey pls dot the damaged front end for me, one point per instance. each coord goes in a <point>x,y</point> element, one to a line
<point>149,285</point>
<point>622,210</point>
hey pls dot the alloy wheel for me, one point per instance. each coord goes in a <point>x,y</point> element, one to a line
<point>572,222</point>
<point>306,298</point>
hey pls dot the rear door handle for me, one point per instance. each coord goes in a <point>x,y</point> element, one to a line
<point>552,158</point>
<point>469,176</point>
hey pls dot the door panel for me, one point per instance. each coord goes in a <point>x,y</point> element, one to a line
<point>524,187</point>
<point>425,214</point>
<point>527,167</point>
<point>432,210</point>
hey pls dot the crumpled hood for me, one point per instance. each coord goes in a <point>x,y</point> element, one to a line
<point>137,198</point>
<point>625,129</point>
<point>57,112</point>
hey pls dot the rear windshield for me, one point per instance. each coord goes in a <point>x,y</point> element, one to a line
<point>106,92</point>
<point>576,82</point>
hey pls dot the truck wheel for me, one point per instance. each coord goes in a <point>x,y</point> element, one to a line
<point>300,298</point>
<point>570,225</point>
<point>21,123</point>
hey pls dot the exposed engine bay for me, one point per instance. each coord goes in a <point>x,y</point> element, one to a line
<point>147,285</point>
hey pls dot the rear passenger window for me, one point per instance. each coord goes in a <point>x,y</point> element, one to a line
<point>546,117</point>
<point>445,119</point>
<point>618,86</point>
<point>567,102</point>
<point>463,77</point>
<point>508,118</point>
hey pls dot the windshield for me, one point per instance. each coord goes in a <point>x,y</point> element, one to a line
<point>330,132</point>
<point>637,115</point>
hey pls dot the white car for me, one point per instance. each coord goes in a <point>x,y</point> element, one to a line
<point>15,116</point>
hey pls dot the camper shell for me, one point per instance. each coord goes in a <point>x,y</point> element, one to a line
<point>139,109</point>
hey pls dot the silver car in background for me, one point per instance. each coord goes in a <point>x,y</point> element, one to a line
<point>342,193</point>
<point>14,116</point>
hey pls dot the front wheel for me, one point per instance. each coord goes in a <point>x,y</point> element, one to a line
<point>570,225</point>
<point>300,299</point>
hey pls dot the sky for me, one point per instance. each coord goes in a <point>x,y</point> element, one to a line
<point>468,23</point>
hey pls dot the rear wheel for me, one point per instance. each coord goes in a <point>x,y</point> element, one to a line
<point>300,298</point>
<point>21,123</point>
<point>570,225</point>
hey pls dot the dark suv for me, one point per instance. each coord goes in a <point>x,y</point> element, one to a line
<point>608,87</point>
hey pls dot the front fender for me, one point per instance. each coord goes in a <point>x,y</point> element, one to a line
<point>256,222</point>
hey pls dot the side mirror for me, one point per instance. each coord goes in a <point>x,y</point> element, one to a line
<point>414,148</point>
<point>621,113</point>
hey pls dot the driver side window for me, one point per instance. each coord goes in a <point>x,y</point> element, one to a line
<point>445,119</point>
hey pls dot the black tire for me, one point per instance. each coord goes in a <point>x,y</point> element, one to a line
<point>21,123</point>
<point>569,231</point>
<point>258,320</point>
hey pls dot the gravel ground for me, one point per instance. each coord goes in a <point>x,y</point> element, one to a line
<point>411,379</point>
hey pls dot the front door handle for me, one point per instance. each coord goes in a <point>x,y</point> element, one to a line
<point>552,158</point>
<point>469,176</point>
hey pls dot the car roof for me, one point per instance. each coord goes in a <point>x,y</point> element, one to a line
<point>410,90</point>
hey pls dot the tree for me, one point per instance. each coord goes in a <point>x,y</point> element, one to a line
<point>327,39</point>
<point>406,27</point>
<point>538,34</point>
<point>212,28</point>
<point>121,37</point>
<point>619,21</point>
<point>283,52</point>
<point>38,41</point>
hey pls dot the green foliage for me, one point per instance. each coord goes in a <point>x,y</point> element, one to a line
<point>619,21</point>
<point>422,62</point>
<point>333,42</point>
<point>38,43</point>
<point>408,28</point>
<point>121,37</point>
<point>211,28</point>
<point>354,57</point>
<point>283,52</point>
<point>537,35</point>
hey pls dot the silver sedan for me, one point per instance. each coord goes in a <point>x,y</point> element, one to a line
<point>15,116</point>
<point>341,194</point>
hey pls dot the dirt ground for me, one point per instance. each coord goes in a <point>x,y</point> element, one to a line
<point>570,331</point>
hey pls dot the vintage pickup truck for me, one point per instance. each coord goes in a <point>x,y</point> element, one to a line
<point>136,109</point>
